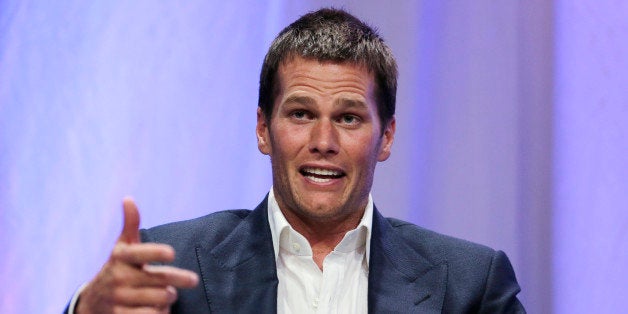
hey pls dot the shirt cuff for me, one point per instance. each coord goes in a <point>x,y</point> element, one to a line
<point>75,298</point>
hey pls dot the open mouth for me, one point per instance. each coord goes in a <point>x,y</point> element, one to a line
<point>321,175</point>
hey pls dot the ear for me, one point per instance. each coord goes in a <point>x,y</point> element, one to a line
<point>263,133</point>
<point>387,140</point>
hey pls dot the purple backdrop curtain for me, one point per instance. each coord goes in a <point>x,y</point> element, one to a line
<point>512,127</point>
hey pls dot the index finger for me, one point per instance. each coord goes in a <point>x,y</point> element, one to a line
<point>142,253</point>
<point>173,276</point>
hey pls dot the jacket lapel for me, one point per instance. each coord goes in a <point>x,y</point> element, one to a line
<point>239,274</point>
<point>401,280</point>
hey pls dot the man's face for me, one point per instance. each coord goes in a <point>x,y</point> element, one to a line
<point>324,139</point>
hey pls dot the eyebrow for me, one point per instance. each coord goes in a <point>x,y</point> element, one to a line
<point>303,100</point>
<point>345,103</point>
<point>351,103</point>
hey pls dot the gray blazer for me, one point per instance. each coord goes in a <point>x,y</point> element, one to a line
<point>411,269</point>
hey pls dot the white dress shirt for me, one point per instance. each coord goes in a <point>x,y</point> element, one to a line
<point>342,285</point>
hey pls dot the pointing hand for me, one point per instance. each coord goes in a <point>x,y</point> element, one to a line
<point>127,282</point>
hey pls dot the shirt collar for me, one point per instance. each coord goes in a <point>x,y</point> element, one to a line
<point>279,226</point>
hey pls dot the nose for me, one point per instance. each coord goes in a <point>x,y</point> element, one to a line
<point>324,138</point>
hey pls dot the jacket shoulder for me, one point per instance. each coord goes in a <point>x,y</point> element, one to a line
<point>479,279</point>
<point>438,247</point>
<point>209,229</point>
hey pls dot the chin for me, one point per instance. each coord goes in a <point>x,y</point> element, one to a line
<point>322,212</point>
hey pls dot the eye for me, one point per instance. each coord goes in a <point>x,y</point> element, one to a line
<point>349,119</point>
<point>300,115</point>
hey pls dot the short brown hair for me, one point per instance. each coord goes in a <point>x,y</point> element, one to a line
<point>332,35</point>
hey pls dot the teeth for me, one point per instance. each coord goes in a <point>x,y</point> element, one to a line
<point>318,180</point>
<point>322,172</point>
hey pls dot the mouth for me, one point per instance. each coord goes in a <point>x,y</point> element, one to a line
<point>321,175</point>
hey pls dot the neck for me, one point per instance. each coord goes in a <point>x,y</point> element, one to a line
<point>323,234</point>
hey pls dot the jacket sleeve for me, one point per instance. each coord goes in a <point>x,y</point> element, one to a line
<point>500,294</point>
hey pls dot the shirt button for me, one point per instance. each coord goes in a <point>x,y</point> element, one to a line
<point>296,247</point>
<point>315,303</point>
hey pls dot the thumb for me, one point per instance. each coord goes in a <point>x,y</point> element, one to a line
<point>130,230</point>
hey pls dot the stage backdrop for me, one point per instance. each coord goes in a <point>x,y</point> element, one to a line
<point>512,131</point>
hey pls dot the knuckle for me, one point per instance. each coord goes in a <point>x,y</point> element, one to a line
<point>118,278</point>
<point>117,296</point>
<point>165,297</point>
<point>118,251</point>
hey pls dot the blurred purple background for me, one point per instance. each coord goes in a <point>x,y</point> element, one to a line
<point>512,132</point>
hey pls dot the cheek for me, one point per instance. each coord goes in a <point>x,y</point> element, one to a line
<point>287,142</point>
<point>363,146</point>
<point>294,135</point>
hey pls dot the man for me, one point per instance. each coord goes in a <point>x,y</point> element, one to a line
<point>316,243</point>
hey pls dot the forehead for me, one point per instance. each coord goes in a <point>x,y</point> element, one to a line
<point>328,76</point>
